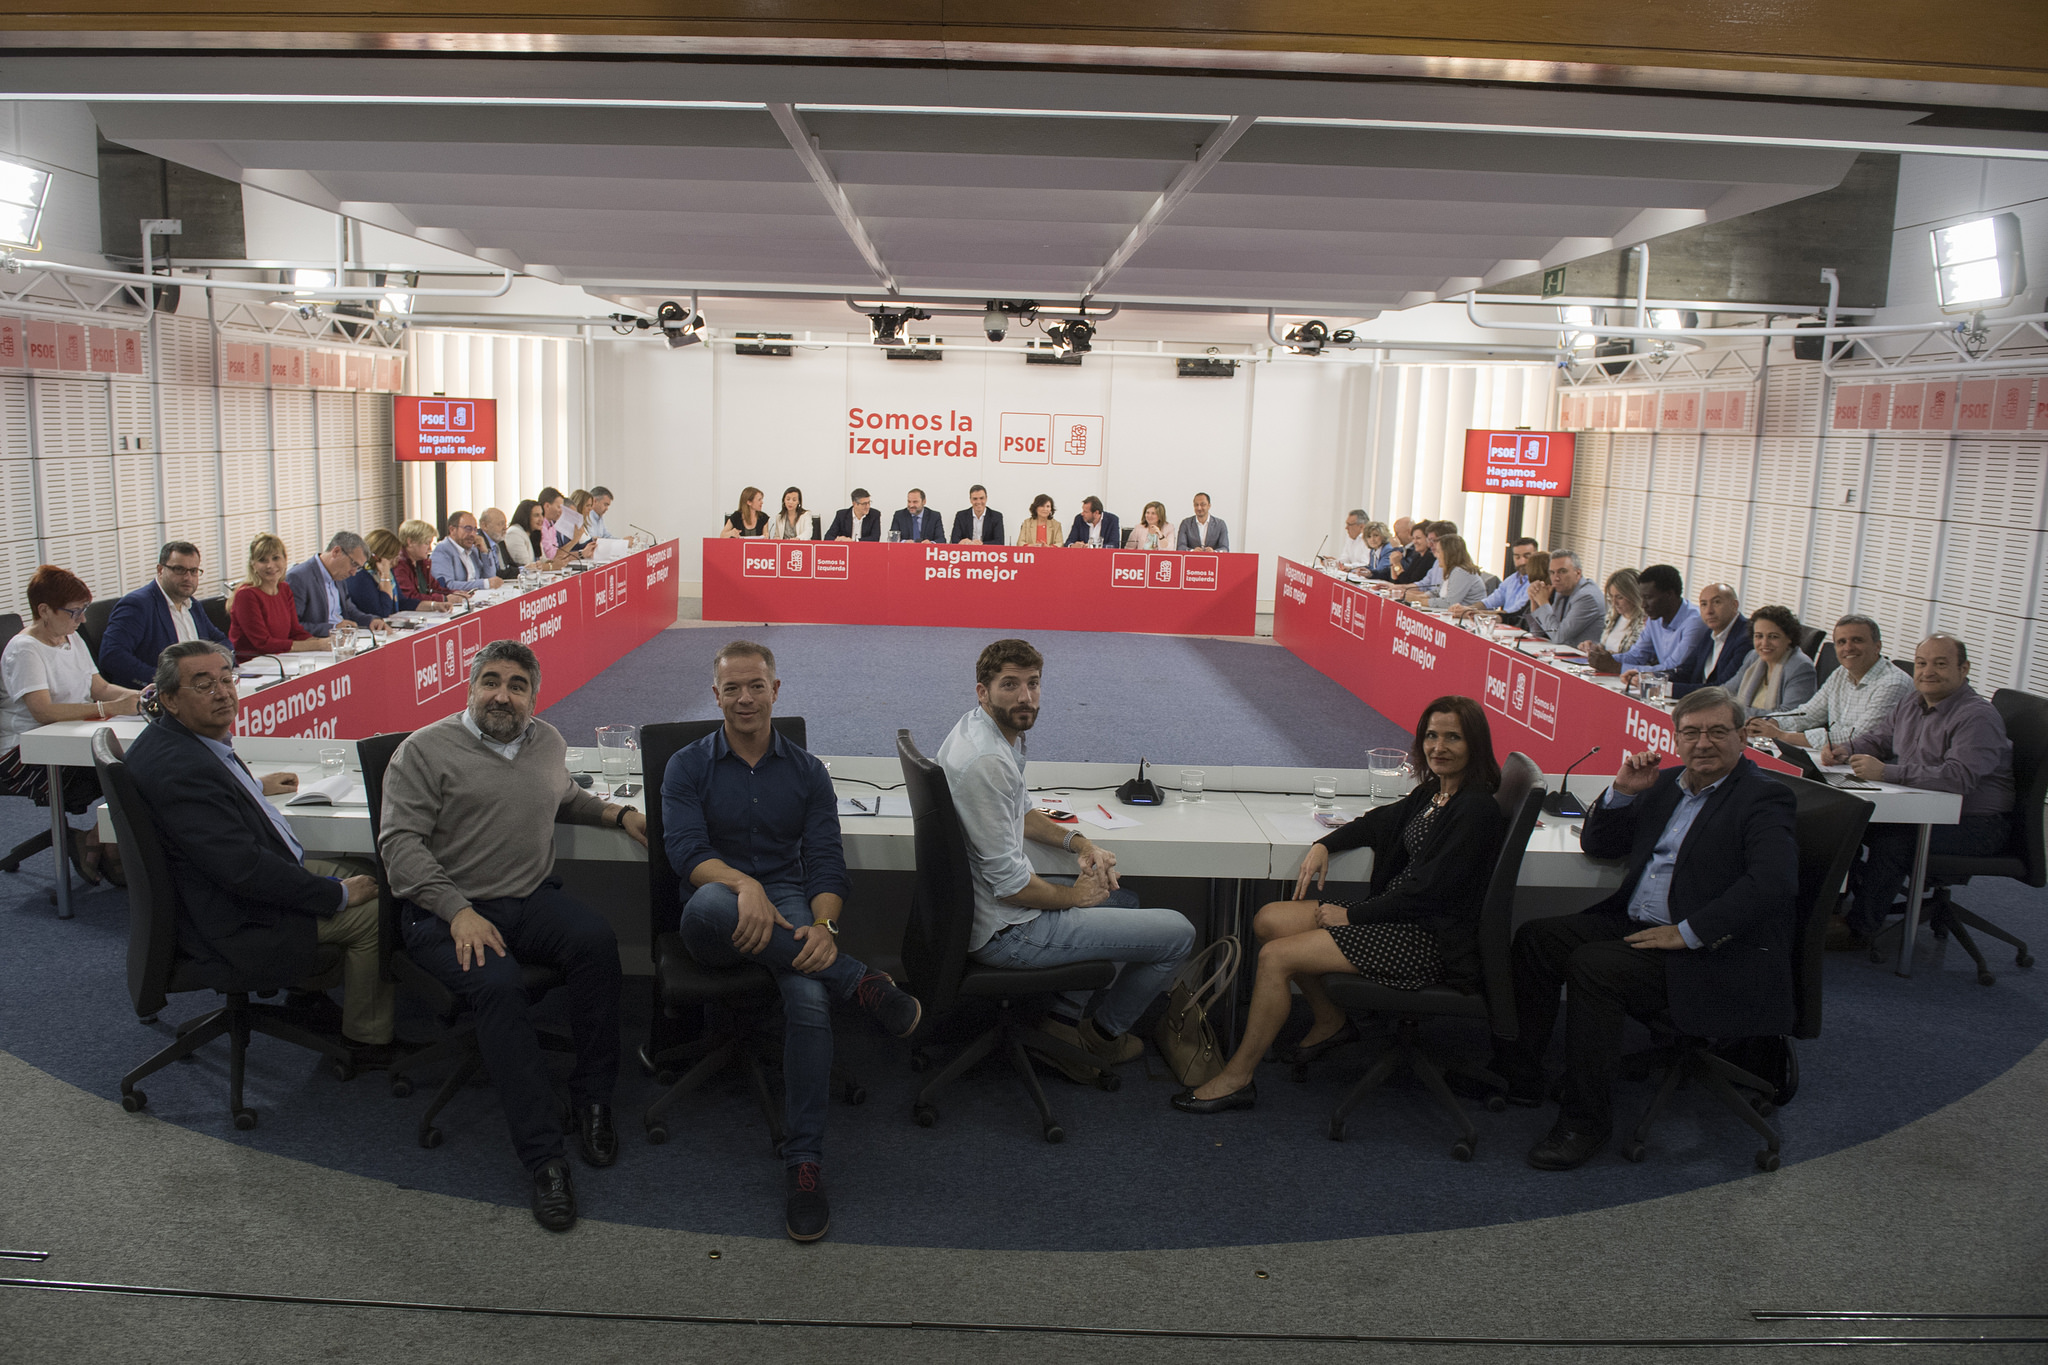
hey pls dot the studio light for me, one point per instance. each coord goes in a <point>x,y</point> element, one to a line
<point>680,326</point>
<point>995,322</point>
<point>23,190</point>
<point>1977,264</point>
<point>886,328</point>
<point>1308,338</point>
<point>1072,338</point>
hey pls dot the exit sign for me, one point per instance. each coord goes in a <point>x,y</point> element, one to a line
<point>1553,282</point>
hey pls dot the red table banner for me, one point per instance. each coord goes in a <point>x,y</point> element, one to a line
<point>579,626</point>
<point>1397,660</point>
<point>994,586</point>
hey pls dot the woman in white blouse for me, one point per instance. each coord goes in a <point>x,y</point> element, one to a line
<point>1151,532</point>
<point>793,522</point>
<point>46,675</point>
<point>1776,677</point>
<point>1625,613</point>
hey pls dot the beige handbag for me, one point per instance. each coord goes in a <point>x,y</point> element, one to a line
<point>1184,1035</point>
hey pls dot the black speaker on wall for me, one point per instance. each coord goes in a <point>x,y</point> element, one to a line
<point>1809,348</point>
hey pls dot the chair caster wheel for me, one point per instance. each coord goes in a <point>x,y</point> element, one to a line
<point>1108,1081</point>
<point>1986,979</point>
<point>430,1138</point>
<point>856,1094</point>
<point>2023,959</point>
<point>1635,1151</point>
<point>1876,956</point>
<point>657,1134</point>
<point>1055,1133</point>
<point>1496,1104</point>
<point>925,1115</point>
<point>920,1060</point>
<point>1764,1108</point>
<point>1767,1161</point>
<point>344,1071</point>
<point>245,1119</point>
<point>1461,1151</point>
<point>1336,1130</point>
<point>133,1101</point>
<point>400,1087</point>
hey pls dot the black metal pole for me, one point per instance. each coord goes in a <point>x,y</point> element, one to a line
<point>1514,531</point>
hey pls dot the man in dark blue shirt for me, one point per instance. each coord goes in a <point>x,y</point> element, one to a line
<point>752,823</point>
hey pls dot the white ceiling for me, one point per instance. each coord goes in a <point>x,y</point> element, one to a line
<point>967,185</point>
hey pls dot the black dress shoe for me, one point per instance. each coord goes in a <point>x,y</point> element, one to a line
<point>599,1139</point>
<point>554,1196</point>
<point>1303,1053</point>
<point>806,1214</point>
<point>1243,1098</point>
<point>1565,1149</point>
<point>372,1056</point>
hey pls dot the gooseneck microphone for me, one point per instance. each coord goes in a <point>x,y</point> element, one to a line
<point>1316,558</point>
<point>1561,801</point>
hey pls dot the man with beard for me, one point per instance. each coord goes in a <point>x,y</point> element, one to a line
<point>1023,920</point>
<point>468,847</point>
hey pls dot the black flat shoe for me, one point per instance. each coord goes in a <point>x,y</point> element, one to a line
<point>554,1196</point>
<point>806,1214</point>
<point>1242,1098</point>
<point>594,1131</point>
<point>1304,1053</point>
<point>1565,1149</point>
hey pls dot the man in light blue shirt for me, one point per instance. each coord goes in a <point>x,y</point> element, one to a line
<point>1674,628</point>
<point>1513,593</point>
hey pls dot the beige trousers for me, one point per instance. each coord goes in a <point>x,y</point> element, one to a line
<point>369,1004</point>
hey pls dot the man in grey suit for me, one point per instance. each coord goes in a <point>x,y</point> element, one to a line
<point>1568,609</point>
<point>316,586</point>
<point>1202,531</point>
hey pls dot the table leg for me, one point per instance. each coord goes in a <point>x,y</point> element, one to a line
<point>60,841</point>
<point>1911,930</point>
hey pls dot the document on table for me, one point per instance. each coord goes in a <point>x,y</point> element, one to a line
<point>1104,818</point>
<point>331,791</point>
<point>881,803</point>
<point>1307,827</point>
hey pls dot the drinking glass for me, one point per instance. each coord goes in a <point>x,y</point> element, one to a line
<point>1388,769</point>
<point>1324,785</point>
<point>895,536</point>
<point>344,639</point>
<point>1191,782</point>
<point>616,745</point>
<point>333,762</point>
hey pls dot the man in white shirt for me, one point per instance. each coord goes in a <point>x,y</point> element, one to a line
<point>1355,551</point>
<point>1862,690</point>
<point>1202,531</point>
<point>600,503</point>
<point>1023,920</point>
<point>975,522</point>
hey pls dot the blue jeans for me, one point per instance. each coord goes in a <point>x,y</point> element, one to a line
<point>1147,946</point>
<point>710,916</point>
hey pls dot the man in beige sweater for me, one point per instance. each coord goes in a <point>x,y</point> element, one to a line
<point>468,847</point>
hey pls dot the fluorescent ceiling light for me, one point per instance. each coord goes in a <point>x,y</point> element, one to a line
<point>23,190</point>
<point>1579,316</point>
<point>1978,264</point>
<point>309,282</point>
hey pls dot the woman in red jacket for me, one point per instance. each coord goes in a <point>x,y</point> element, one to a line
<point>413,573</point>
<point>262,618</point>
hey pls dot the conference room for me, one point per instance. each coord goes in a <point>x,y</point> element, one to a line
<point>662,669</point>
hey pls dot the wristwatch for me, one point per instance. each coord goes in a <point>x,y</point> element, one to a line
<point>620,821</point>
<point>831,926</point>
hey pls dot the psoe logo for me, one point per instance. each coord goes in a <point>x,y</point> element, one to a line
<point>759,561</point>
<point>1524,449</point>
<point>1127,571</point>
<point>449,415</point>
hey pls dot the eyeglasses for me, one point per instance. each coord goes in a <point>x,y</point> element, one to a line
<point>180,570</point>
<point>75,613</point>
<point>1718,734</point>
<point>210,686</point>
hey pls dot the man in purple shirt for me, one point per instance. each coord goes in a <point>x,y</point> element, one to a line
<point>1946,737</point>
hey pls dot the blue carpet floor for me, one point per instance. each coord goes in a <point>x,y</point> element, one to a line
<point>1114,698</point>
<point>1132,1174</point>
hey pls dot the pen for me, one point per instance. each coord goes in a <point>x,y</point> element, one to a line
<point>1105,811</point>
<point>856,803</point>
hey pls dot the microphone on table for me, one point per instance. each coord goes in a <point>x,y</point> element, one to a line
<point>1140,790</point>
<point>635,526</point>
<point>1561,801</point>
<point>1317,556</point>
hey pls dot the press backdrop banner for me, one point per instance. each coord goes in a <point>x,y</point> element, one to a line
<point>1000,587</point>
<point>578,627</point>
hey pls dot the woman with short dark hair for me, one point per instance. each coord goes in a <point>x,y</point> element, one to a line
<point>1433,854</point>
<point>1776,676</point>
<point>1042,527</point>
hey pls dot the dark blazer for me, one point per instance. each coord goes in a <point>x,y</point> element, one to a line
<point>246,907</point>
<point>1415,567</point>
<point>1112,536</point>
<point>842,525</point>
<point>362,590</point>
<point>928,523</point>
<point>1736,884</point>
<point>138,630</point>
<point>308,582</point>
<point>991,526</point>
<point>1692,674</point>
<point>1446,887</point>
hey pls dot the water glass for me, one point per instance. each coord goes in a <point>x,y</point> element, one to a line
<point>1389,767</point>
<point>333,762</point>
<point>344,639</point>
<point>895,536</point>
<point>1324,785</point>
<point>616,745</point>
<point>1191,783</point>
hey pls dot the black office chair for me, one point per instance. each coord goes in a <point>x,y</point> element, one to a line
<point>1824,661</point>
<point>216,609</point>
<point>684,987</point>
<point>2022,859</point>
<point>1829,829</point>
<point>935,955</point>
<point>1811,638</point>
<point>460,1044</point>
<point>95,623</point>
<point>1492,1000</point>
<point>155,969</point>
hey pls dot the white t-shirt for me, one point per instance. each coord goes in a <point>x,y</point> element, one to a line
<point>28,666</point>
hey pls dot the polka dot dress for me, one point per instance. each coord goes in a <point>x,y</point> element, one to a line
<point>1400,954</point>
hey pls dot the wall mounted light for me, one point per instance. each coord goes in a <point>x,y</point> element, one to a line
<point>1977,265</point>
<point>23,190</point>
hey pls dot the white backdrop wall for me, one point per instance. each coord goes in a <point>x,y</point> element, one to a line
<point>1282,449</point>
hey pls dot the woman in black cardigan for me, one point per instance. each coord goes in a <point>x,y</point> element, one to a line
<point>1433,853</point>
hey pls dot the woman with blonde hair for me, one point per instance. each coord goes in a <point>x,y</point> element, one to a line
<point>412,573</point>
<point>263,618</point>
<point>1626,613</point>
<point>1151,532</point>
<point>1042,527</point>
<point>749,520</point>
